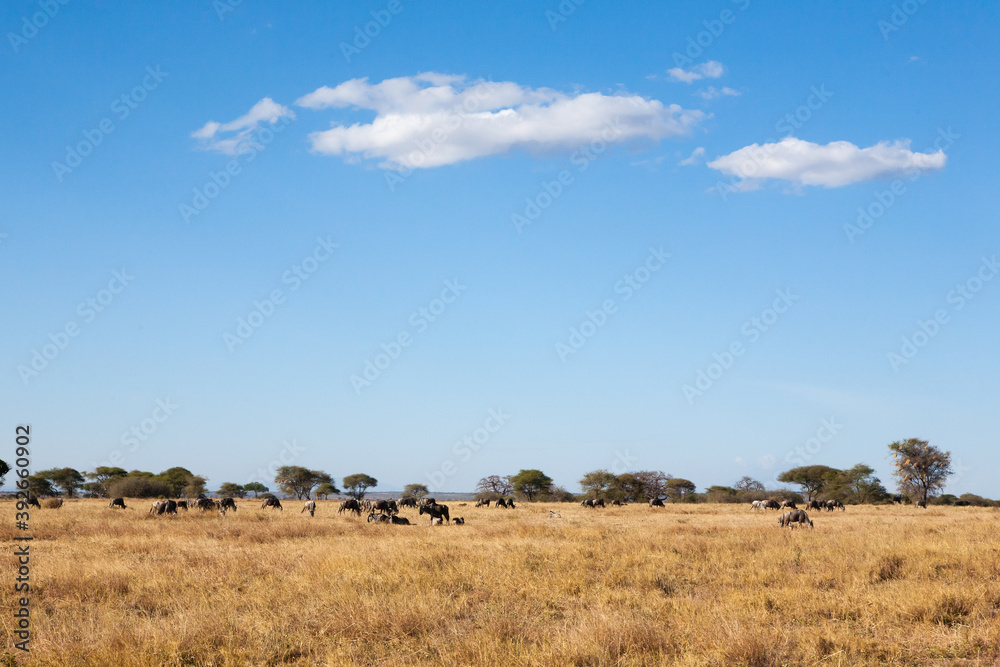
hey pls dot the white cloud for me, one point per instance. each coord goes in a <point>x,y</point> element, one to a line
<point>236,131</point>
<point>434,119</point>
<point>697,155</point>
<point>712,92</point>
<point>836,164</point>
<point>710,70</point>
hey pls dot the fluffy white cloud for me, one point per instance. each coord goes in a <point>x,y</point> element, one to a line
<point>713,69</point>
<point>712,92</point>
<point>836,164</point>
<point>230,138</point>
<point>697,155</point>
<point>434,119</point>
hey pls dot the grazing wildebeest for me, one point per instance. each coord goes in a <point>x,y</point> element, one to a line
<point>815,505</point>
<point>483,502</point>
<point>53,503</point>
<point>771,504</point>
<point>350,505</point>
<point>593,503</point>
<point>831,505</point>
<point>408,502</point>
<point>510,504</point>
<point>898,498</point>
<point>501,503</point>
<point>379,518</point>
<point>616,503</point>
<point>436,511</point>
<point>271,502</point>
<point>458,521</point>
<point>227,504</point>
<point>400,520</point>
<point>163,507</point>
<point>182,505</point>
<point>117,502</point>
<point>655,502</point>
<point>788,504</point>
<point>33,502</point>
<point>204,504</point>
<point>921,503</point>
<point>795,517</point>
<point>428,501</point>
<point>310,507</point>
<point>385,507</point>
<point>961,503</point>
<point>553,515</point>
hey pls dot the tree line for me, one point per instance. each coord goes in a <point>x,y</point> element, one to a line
<point>921,471</point>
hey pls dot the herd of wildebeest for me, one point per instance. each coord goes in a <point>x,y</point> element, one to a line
<point>387,511</point>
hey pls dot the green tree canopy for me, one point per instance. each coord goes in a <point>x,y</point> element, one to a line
<point>494,486</point>
<point>630,488</point>
<point>597,483</point>
<point>195,487</point>
<point>530,483</point>
<point>415,491</point>
<point>920,468</point>
<point>326,489</point>
<point>39,485</point>
<point>255,488</point>
<point>104,474</point>
<point>4,469</point>
<point>67,479</point>
<point>857,485</point>
<point>298,481</point>
<point>355,485</point>
<point>812,479</point>
<point>176,479</point>
<point>679,489</point>
<point>229,489</point>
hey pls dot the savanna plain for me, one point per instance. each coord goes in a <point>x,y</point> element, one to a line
<point>686,584</point>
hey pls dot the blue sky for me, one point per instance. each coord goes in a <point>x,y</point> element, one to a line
<point>788,120</point>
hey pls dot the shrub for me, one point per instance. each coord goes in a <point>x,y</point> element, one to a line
<point>138,487</point>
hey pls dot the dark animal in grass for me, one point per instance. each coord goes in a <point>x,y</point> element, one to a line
<point>163,507</point>
<point>771,504</point>
<point>815,505</point>
<point>788,504</point>
<point>350,505</point>
<point>831,505</point>
<point>385,507</point>
<point>501,503</point>
<point>271,502</point>
<point>379,518</point>
<point>616,503</point>
<point>400,520</point>
<point>310,507</point>
<point>117,502</point>
<point>458,521</point>
<point>789,519</point>
<point>436,511</point>
<point>33,502</point>
<point>921,503</point>
<point>182,505</point>
<point>483,502</point>
<point>408,502</point>
<point>204,504</point>
<point>655,502</point>
<point>227,504</point>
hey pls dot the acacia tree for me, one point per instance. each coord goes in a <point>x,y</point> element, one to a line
<point>326,489</point>
<point>255,488</point>
<point>597,483</point>
<point>67,479</point>
<point>415,491</point>
<point>530,483</point>
<point>299,481</point>
<point>629,487</point>
<point>229,489</point>
<point>102,476</point>
<point>812,479</point>
<point>39,485</point>
<point>748,485</point>
<point>678,489</point>
<point>654,482</point>
<point>356,485</point>
<point>921,468</point>
<point>494,486</point>
<point>4,469</point>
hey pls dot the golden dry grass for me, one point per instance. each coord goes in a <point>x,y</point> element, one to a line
<point>686,585</point>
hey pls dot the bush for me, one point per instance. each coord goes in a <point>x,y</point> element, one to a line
<point>138,487</point>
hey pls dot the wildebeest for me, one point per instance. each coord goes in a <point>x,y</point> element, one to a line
<point>436,511</point>
<point>407,502</point>
<point>350,505</point>
<point>428,501</point>
<point>898,498</point>
<point>483,502</point>
<point>815,505</point>
<point>227,504</point>
<point>385,507</point>
<point>593,503</point>
<point>53,503</point>
<point>310,507</point>
<point>921,503</point>
<point>655,502</point>
<point>33,502</point>
<point>616,503</point>
<point>458,520</point>
<point>271,502</point>
<point>163,507</point>
<point>182,505</point>
<point>501,503</point>
<point>831,505</point>
<point>117,502</point>
<point>771,504</point>
<point>757,504</point>
<point>204,504</point>
<point>399,520</point>
<point>510,504</point>
<point>788,504</point>
<point>379,518</point>
<point>795,517</point>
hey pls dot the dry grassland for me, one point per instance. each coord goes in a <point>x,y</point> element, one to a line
<point>686,585</point>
